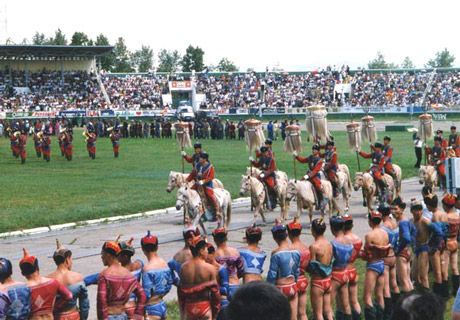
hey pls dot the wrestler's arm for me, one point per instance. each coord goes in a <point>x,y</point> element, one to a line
<point>91,279</point>
<point>140,302</point>
<point>223,279</point>
<point>272,271</point>
<point>64,296</point>
<point>102,313</point>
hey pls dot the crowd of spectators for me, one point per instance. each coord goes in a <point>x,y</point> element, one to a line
<point>80,90</point>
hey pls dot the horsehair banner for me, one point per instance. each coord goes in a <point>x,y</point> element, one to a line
<point>317,122</point>
<point>425,126</point>
<point>369,129</point>
<point>254,135</point>
<point>293,141</point>
<point>182,135</point>
<point>354,136</point>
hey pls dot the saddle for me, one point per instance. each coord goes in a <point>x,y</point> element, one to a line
<point>208,209</point>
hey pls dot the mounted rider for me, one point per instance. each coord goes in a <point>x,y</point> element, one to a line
<point>454,141</point>
<point>377,167</point>
<point>203,174</point>
<point>388,154</point>
<point>438,156</point>
<point>331,165</point>
<point>439,133</point>
<point>315,164</point>
<point>268,144</point>
<point>267,165</point>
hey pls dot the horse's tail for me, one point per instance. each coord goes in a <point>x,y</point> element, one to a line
<point>229,211</point>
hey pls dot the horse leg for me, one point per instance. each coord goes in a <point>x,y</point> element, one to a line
<point>310,213</point>
<point>364,198</point>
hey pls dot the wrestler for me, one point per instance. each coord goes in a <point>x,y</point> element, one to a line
<point>294,229</point>
<point>73,281</point>
<point>252,256</point>
<point>342,249</point>
<point>352,274</point>
<point>222,274</point>
<point>406,238</point>
<point>320,269</point>
<point>451,253</point>
<point>425,229</point>
<point>390,290</point>
<point>228,257</point>
<point>114,286</point>
<point>18,292</point>
<point>126,253</point>
<point>198,292</point>
<point>437,246</point>
<point>284,267</point>
<point>376,247</point>
<point>4,302</point>
<point>156,279</point>
<point>43,291</point>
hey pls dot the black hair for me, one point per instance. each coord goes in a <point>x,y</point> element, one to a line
<point>196,250</point>
<point>254,237</point>
<point>211,249</point>
<point>348,225</point>
<point>336,224</point>
<point>27,269</point>
<point>6,272</point>
<point>375,220</point>
<point>318,226</point>
<point>220,237</point>
<point>431,201</point>
<point>427,190</point>
<point>420,307</point>
<point>59,259</point>
<point>398,202</point>
<point>294,232</point>
<point>384,209</point>
<point>250,303</point>
<point>279,234</point>
<point>150,247</point>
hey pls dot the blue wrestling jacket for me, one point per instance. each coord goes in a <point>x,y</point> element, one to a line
<point>223,281</point>
<point>393,235</point>
<point>252,261</point>
<point>407,234</point>
<point>80,293</point>
<point>175,266</point>
<point>19,308</point>
<point>319,269</point>
<point>284,264</point>
<point>342,253</point>
<point>157,282</point>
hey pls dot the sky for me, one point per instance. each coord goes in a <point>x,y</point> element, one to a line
<point>297,35</point>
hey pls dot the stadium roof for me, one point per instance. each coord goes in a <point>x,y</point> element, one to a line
<point>33,51</point>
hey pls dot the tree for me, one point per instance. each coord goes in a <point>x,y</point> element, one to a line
<point>38,38</point>
<point>193,59</point>
<point>122,61</point>
<point>408,64</point>
<point>107,60</point>
<point>380,63</point>
<point>443,60</point>
<point>59,38</point>
<point>79,39</point>
<point>143,59</point>
<point>168,61</point>
<point>226,65</point>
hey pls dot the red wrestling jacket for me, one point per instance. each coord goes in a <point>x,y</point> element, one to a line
<point>43,297</point>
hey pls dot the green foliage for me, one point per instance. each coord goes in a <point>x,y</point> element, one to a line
<point>380,63</point>
<point>41,194</point>
<point>226,65</point>
<point>59,38</point>
<point>122,56</point>
<point>107,60</point>
<point>168,61</point>
<point>79,39</point>
<point>193,59</point>
<point>143,59</point>
<point>408,64</point>
<point>444,59</point>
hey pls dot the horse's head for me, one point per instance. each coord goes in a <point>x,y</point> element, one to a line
<point>172,182</point>
<point>181,197</point>
<point>245,184</point>
<point>359,181</point>
<point>291,190</point>
<point>422,174</point>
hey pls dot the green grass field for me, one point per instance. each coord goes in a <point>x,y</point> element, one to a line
<point>42,194</point>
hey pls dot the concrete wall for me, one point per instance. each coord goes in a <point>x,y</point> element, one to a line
<point>33,66</point>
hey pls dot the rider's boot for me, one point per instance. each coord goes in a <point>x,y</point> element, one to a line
<point>335,189</point>
<point>382,186</point>
<point>395,178</point>
<point>319,199</point>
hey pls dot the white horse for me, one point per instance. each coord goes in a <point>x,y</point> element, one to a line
<point>367,183</point>
<point>187,197</point>
<point>428,175</point>
<point>305,193</point>
<point>257,192</point>
<point>344,187</point>
<point>280,188</point>
<point>398,173</point>
<point>178,179</point>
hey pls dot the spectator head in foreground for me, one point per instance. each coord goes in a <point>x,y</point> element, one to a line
<point>257,300</point>
<point>420,307</point>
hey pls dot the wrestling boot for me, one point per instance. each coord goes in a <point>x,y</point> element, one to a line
<point>62,153</point>
<point>339,315</point>
<point>370,313</point>
<point>437,288</point>
<point>347,316</point>
<point>48,159</point>
<point>388,309</point>
<point>455,284</point>
<point>378,311</point>
<point>355,315</point>
<point>116,154</point>
<point>93,156</point>
<point>39,155</point>
<point>445,289</point>
<point>395,298</point>
<point>90,154</point>
<point>23,161</point>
